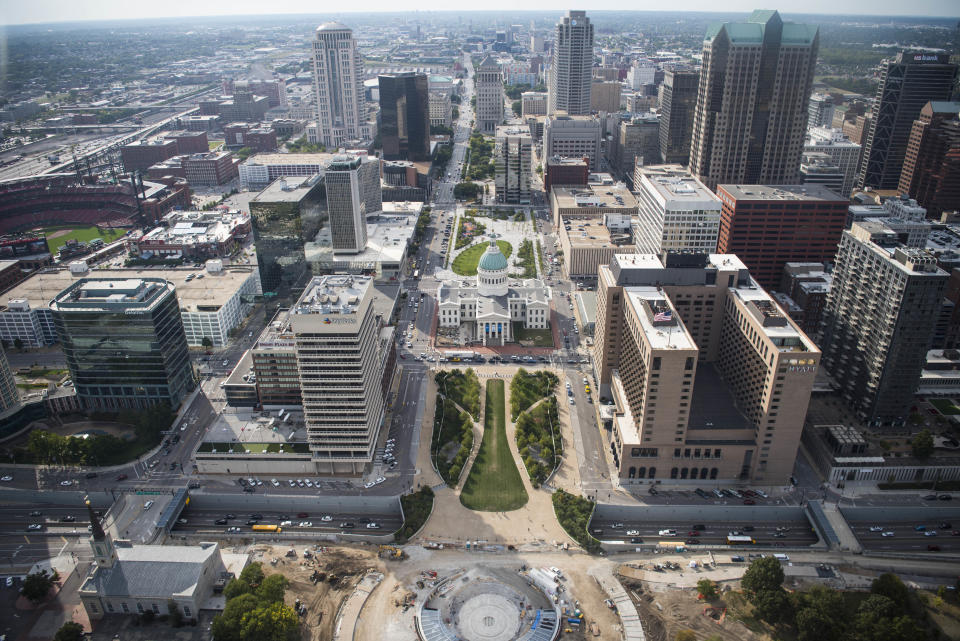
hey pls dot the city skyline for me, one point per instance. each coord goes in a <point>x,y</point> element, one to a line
<point>60,11</point>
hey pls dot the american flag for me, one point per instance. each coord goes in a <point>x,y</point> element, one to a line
<point>663,316</point>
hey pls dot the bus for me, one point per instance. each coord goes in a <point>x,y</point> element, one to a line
<point>416,274</point>
<point>740,540</point>
<point>266,528</point>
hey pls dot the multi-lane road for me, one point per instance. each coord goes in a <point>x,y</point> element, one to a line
<point>305,522</point>
<point>791,533</point>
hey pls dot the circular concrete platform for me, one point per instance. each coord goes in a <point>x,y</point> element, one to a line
<point>489,617</point>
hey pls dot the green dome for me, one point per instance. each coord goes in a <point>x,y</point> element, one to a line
<point>492,260</point>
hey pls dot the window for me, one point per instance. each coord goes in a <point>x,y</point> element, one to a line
<point>703,472</point>
<point>684,472</point>
<point>139,608</point>
<point>642,473</point>
<point>673,473</point>
<point>93,607</point>
<point>633,472</point>
<point>186,612</point>
<point>652,473</point>
<point>109,606</point>
<point>713,473</point>
<point>155,608</point>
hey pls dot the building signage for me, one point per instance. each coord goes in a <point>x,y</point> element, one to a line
<point>338,321</point>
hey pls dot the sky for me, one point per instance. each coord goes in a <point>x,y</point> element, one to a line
<point>32,11</point>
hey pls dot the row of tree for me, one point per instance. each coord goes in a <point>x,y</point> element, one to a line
<point>255,610</point>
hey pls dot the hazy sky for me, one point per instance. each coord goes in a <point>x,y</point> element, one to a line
<point>24,11</point>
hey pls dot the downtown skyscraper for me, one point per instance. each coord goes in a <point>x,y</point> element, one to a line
<point>751,116</point>
<point>570,75</point>
<point>338,86</point>
<point>907,83</point>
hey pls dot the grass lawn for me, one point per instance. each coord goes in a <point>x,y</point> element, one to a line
<point>494,484</point>
<point>946,406</point>
<point>85,233</point>
<point>540,337</point>
<point>465,263</point>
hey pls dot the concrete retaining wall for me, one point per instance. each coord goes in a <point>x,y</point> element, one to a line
<point>895,513</point>
<point>360,505</point>
<point>671,513</point>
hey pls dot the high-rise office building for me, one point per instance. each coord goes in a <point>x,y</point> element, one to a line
<point>286,216</point>
<point>338,86</point>
<point>844,153</point>
<point>907,83</point>
<point>879,319</point>
<point>676,211</point>
<point>931,168</point>
<point>633,140</point>
<point>605,96</point>
<point>513,156</point>
<point>678,104</point>
<point>342,349</point>
<point>709,377</point>
<point>751,115</point>
<point>9,396</point>
<point>769,226</point>
<point>572,137</point>
<point>820,110</point>
<point>124,342</point>
<point>405,116</point>
<point>570,75</point>
<point>353,192</point>
<point>489,85</point>
<point>817,168</point>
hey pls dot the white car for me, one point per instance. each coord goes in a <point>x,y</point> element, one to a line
<point>887,534</point>
<point>6,479</point>
<point>305,524</point>
<point>148,505</point>
<point>369,484</point>
<point>308,483</point>
<point>379,480</point>
<point>667,532</point>
<point>285,523</point>
<point>66,483</point>
<point>326,518</point>
<point>373,526</point>
<point>300,482</point>
<point>292,483</point>
<point>876,528</point>
<point>633,532</point>
<point>275,482</point>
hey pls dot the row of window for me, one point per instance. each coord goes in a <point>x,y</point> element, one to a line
<point>125,608</point>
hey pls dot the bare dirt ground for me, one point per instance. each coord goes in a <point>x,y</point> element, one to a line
<point>341,567</point>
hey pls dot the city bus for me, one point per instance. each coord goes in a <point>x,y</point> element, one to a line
<point>740,540</point>
<point>416,274</point>
<point>266,528</point>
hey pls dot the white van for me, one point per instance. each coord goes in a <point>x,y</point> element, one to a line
<point>781,557</point>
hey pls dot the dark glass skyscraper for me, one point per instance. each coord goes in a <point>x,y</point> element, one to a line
<point>907,83</point>
<point>677,105</point>
<point>124,342</point>
<point>405,116</point>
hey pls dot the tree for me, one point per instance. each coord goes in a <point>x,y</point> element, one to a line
<point>773,606</point>
<point>272,588</point>
<point>922,444</point>
<point>273,622</point>
<point>517,107</point>
<point>707,589</point>
<point>815,625</point>
<point>890,586</point>
<point>243,153</point>
<point>686,635</point>
<point>207,342</point>
<point>235,588</point>
<point>37,585</point>
<point>764,574</point>
<point>69,631</point>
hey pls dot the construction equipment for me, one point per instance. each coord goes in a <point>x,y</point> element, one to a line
<point>391,553</point>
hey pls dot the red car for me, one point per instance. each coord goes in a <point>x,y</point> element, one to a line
<point>121,477</point>
<point>693,533</point>
<point>302,515</point>
<point>749,502</point>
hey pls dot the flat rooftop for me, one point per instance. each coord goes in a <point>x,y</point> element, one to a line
<point>200,294</point>
<point>403,208</point>
<point>810,191</point>
<point>671,335</point>
<point>592,233</point>
<point>334,295</point>
<point>290,189</point>
<point>674,184</point>
<point>256,431</point>
<point>322,159</point>
<point>601,196</point>
<point>712,406</point>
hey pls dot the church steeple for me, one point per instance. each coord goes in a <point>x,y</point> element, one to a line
<point>105,554</point>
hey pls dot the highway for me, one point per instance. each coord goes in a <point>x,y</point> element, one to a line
<point>797,533</point>
<point>204,521</point>
<point>906,538</point>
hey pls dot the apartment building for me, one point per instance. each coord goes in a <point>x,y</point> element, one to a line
<point>513,156</point>
<point>533,103</point>
<point>879,319</point>
<point>842,151</point>
<point>572,137</point>
<point>676,212</point>
<point>710,380</point>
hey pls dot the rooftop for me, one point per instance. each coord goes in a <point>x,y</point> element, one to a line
<point>594,196</point>
<point>288,189</point>
<point>150,570</point>
<point>111,294</point>
<point>333,295</point>
<point>199,294</point>
<point>593,233</point>
<point>660,322</point>
<point>676,186</point>
<point>320,159</point>
<point>781,192</point>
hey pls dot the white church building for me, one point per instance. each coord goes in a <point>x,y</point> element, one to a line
<point>494,301</point>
